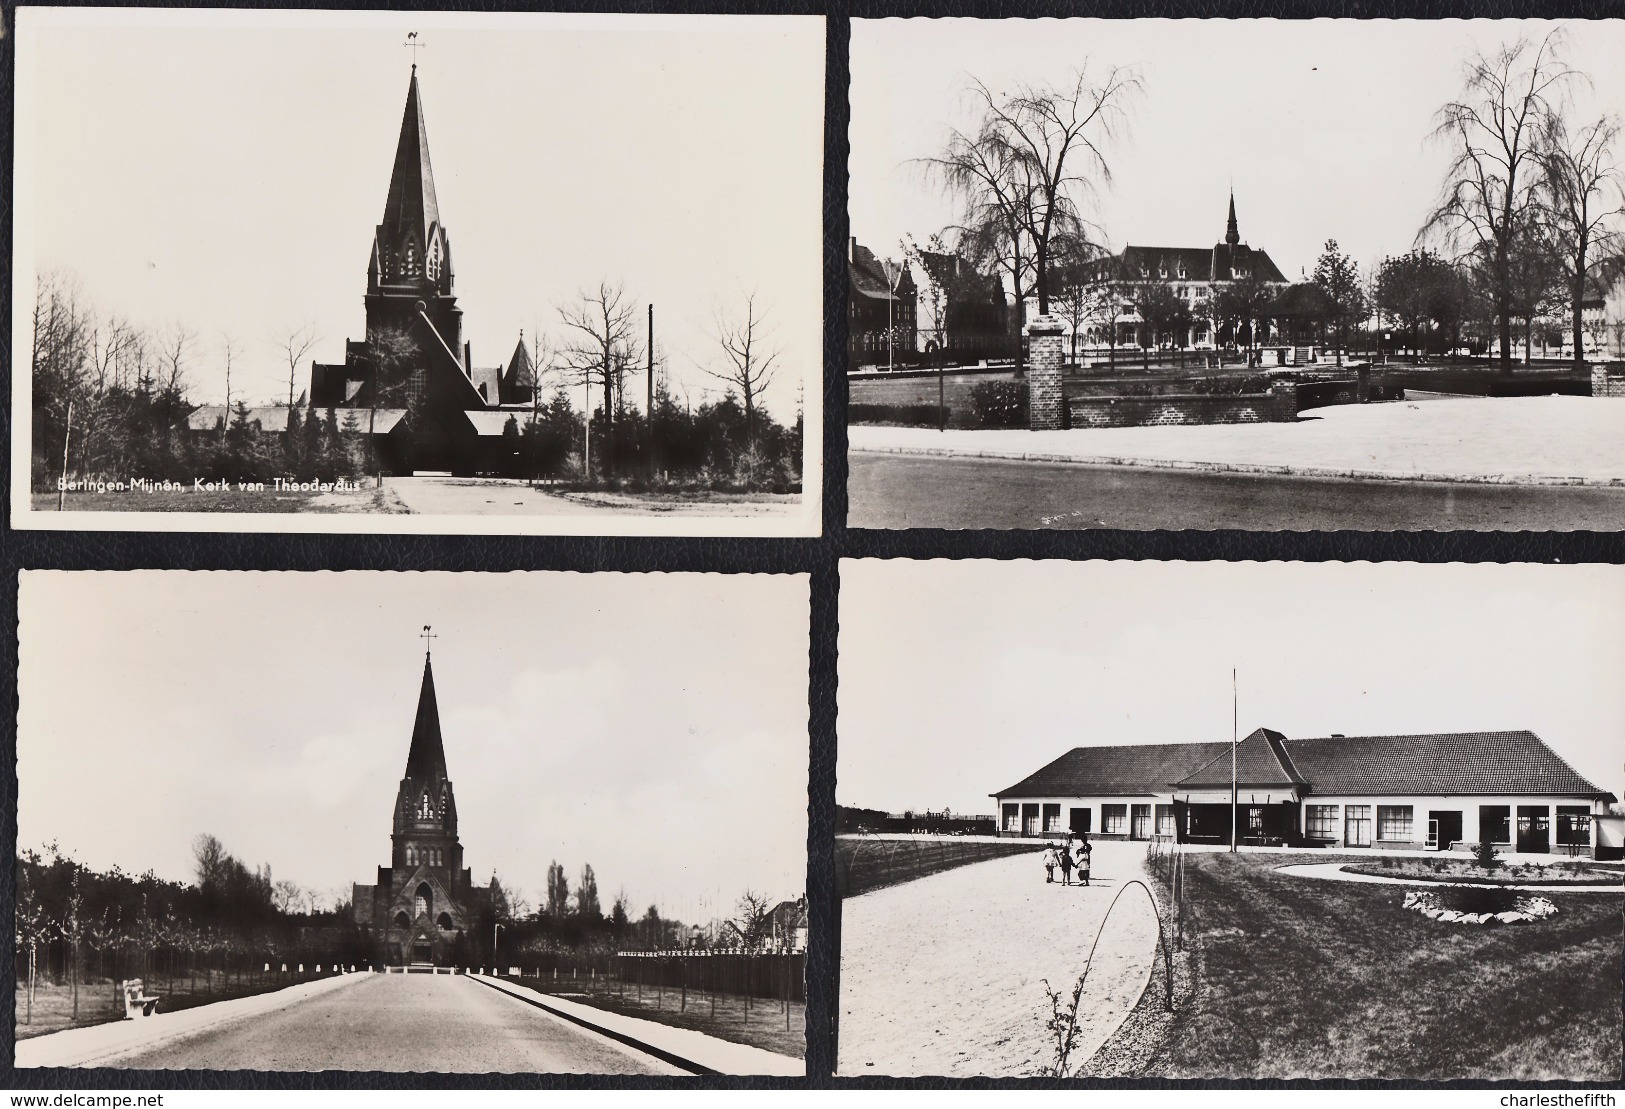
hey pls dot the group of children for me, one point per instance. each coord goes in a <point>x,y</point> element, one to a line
<point>1068,856</point>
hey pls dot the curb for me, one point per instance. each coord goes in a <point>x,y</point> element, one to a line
<point>1245,467</point>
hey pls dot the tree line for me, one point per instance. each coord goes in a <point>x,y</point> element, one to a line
<point>112,400</point>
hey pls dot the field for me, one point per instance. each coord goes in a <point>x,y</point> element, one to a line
<point>1302,979</point>
<point>864,863</point>
<point>233,500</point>
<point>1506,874</point>
<point>776,1026</point>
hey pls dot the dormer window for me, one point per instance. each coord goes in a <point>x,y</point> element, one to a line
<point>1182,271</point>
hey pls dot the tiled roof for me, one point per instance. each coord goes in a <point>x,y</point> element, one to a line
<point>868,276</point>
<point>1452,762</point>
<point>1260,761</point>
<point>1455,762</point>
<point>1148,768</point>
<point>1216,263</point>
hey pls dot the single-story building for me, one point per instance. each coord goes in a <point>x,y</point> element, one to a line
<point>1399,792</point>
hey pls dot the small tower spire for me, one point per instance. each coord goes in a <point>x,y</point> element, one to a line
<point>1231,235</point>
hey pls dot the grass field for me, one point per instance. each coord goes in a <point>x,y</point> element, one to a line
<point>755,1022</point>
<point>1303,978</point>
<point>101,1002</point>
<point>368,500</point>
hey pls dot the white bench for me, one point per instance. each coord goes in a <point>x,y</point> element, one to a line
<point>136,1002</point>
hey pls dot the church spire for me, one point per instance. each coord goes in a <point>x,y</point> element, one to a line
<point>412,208</point>
<point>427,757</point>
<point>1231,235</point>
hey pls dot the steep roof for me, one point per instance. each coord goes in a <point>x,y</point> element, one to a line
<point>1147,768</point>
<point>412,204</point>
<point>427,757</point>
<point>868,275</point>
<point>519,368</point>
<point>1261,760</point>
<point>1452,762</point>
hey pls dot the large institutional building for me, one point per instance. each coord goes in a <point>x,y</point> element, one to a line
<point>424,907</point>
<point>1409,792</point>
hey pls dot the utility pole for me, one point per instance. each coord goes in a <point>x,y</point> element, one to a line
<point>67,433</point>
<point>1234,729</point>
<point>649,408</point>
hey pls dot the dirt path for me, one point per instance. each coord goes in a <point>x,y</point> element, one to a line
<point>944,975</point>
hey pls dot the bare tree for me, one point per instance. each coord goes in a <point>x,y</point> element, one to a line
<point>286,895</point>
<point>750,360</point>
<point>1582,200</point>
<point>753,920</point>
<point>226,349</point>
<point>295,345</point>
<point>1490,194</point>
<point>603,333</point>
<point>1034,158</point>
<point>175,352</point>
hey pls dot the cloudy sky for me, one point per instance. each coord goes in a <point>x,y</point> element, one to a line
<point>960,678</point>
<point>226,170</point>
<point>653,725</point>
<point>1321,125</point>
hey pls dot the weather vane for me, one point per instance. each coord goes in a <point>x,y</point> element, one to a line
<point>426,636</point>
<point>412,41</point>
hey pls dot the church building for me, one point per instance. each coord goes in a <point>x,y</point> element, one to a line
<point>424,907</point>
<point>412,382</point>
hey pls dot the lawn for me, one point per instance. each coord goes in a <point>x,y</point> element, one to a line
<point>756,1021</point>
<point>1504,874</point>
<point>233,500</point>
<point>1305,978</point>
<point>101,1002</point>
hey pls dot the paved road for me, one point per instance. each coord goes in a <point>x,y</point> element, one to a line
<point>403,1022</point>
<point>898,491</point>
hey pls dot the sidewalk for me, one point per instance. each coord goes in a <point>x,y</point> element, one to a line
<point>101,1044</point>
<point>1503,440</point>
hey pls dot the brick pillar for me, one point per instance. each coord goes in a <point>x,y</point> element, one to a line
<point>1046,401</point>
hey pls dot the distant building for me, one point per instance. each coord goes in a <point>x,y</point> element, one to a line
<point>966,312</point>
<point>424,907</point>
<point>1407,792</point>
<point>881,307</point>
<point>1195,275</point>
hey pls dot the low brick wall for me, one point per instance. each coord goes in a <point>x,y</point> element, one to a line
<point>1609,380</point>
<point>1279,405</point>
<point>921,389</point>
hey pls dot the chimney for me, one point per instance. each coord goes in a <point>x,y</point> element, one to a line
<point>851,248</point>
<point>468,360</point>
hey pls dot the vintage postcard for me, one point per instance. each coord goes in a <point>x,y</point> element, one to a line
<point>1231,821</point>
<point>492,823</point>
<point>248,299</point>
<point>1303,275</point>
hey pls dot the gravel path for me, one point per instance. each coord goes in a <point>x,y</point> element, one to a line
<point>943,975</point>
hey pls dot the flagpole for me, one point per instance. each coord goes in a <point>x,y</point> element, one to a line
<point>1234,730</point>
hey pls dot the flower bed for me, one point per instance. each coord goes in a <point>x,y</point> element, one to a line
<point>1469,905</point>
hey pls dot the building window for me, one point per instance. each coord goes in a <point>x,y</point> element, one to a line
<point>422,902</point>
<point>1114,819</point>
<point>1029,819</point>
<point>1394,822</point>
<point>1165,820</point>
<point>1357,825</point>
<point>1320,821</point>
<point>411,855</point>
<point>1012,818</point>
<point>1052,818</point>
<point>1573,826</point>
<point>426,807</point>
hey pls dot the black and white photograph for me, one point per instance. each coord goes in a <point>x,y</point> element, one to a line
<point>1295,275</point>
<point>466,823</point>
<point>1230,821</point>
<point>248,299</point>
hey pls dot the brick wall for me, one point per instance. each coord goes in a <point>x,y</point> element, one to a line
<point>1046,355</point>
<point>1277,406</point>
<point>907,389</point>
<point>1609,380</point>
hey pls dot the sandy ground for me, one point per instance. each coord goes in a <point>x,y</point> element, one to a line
<point>944,975</point>
<point>1534,439</point>
<point>445,496</point>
